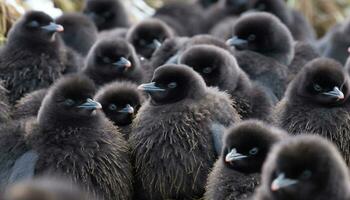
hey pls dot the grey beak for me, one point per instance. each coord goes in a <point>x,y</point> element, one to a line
<point>128,109</point>
<point>237,43</point>
<point>155,44</point>
<point>150,87</point>
<point>233,155</point>
<point>52,27</point>
<point>123,63</point>
<point>281,182</point>
<point>90,105</point>
<point>335,93</point>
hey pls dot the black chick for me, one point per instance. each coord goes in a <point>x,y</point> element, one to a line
<point>167,53</point>
<point>45,188</point>
<point>264,47</point>
<point>222,10</point>
<point>70,137</point>
<point>220,69</point>
<point>114,33</point>
<point>224,28</point>
<point>300,28</point>
<point>148,35</point>
<point>120,102</point>
<point>29,105</point>
<point>106,14</point>
<point>236,173</point>
<point>113,59</point>
<point>336,42</point>
<point>80,32</point>
<point>304,167</point>
<point>5,107</point>
<point>171,50</point>
<point>31,58</point>
<point>317,102</point>
<point>265,34</point>
<point>304,52</point>
<point>174,133</point>
<point>186,16</point>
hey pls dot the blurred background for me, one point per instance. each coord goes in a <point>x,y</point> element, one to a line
<point>321,13</point>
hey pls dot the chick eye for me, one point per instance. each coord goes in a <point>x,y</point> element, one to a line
<point>254,151</point>
<point>143,42</point>
<point>34,24</point>
<point>306,174</point>
<point>172,85</point>
<point>69,102</point>
<point>251,37</point>
<point>106,60</point>
<point>317,88</point>
<point>207,70</point>
<point>112,107</point>
<point>106,14</point>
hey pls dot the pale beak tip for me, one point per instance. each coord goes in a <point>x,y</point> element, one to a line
<point>274,187</point>
<point>60,28</point>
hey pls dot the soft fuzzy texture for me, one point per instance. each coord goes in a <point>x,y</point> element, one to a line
<point>298,112</point>
<point>329,177</point>
<point>249,99</point>
<point>30,61</point>
<point>239,180</point>
<point>172,143</point>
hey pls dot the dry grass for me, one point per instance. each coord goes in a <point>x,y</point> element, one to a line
<point>69,5</point>
<point>323,13</point>
<point>8,15</point>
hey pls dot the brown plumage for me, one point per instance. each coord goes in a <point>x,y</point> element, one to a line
<point>304,167</point>
<point>220,69</point>
<point>29,105</point>
<point>32,57</point>
<point>172,138</point>
<point>113,59</point>
<point>303,53</point>
<point>120,102</point>
<point>317,102</point>
<point>72,138</point>
<point>236,173</point>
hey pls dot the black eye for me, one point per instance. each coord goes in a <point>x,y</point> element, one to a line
<point>69,102</point>
<point>34,24</point>
<point>172,85</point>
<point>112,107</point>
<point>207,70</point>
<point>254,151</point>
<point>317,88</point>
<point>106,14</point>
<point>143,42</point>
<point>251,37</point>
<point>106,60</point>
<point>306,174</point>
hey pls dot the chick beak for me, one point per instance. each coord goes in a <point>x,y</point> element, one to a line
<point>238,43</point>
<point>128,109</point>
<point>155,44</point>
<point>336,93</point>
<point>123,63</point>
<point>282,182</point>
<point>52,28</point>
<point>90,105</point>
<point>150,87</point>
<point>233,155</point>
